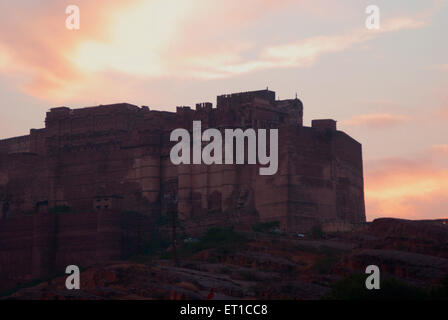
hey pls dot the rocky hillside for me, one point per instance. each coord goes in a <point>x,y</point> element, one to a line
<point>225,264</point>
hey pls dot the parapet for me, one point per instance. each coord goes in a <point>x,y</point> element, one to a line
<point>62,112</point>
<point>322,124</point>
<point>15,145</point>
<point>58,112</point>
<point>244,97</point>
<point>183,109</point>
<point>206,106</point>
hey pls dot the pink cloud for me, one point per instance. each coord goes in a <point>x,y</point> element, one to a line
<point>155,39</point>
<point>412,189</point>
<point>36,46</point>
<point>440,149</point>
<point>305,52</point>
<point>444,112</point>
<point>380,121</point>
<point>442,67</point>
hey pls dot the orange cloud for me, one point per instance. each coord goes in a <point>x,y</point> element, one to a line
<point>406,189</point>
<point>153,39</point>
<point>36,46</point>
<point>440,148</point>
<point>443,67</point>
<point>304,53</point>
<point>444,113</point>
<point>376,120</point>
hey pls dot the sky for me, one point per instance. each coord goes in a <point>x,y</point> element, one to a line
<point>387,88</point>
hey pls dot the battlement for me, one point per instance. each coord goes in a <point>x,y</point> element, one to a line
<point>183,109</point>
<point>96,125</point>
<point>227,100</point>
<point>204,106</point>
<point>15,145</point>
<point>64,112</point>
<point>322,124</point>
<point>254,108</point>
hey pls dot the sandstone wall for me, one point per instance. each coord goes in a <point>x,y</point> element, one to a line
<point>15,145</point>
<point>38,246</point>
<point>23,182</point>
<point>324,178</point>
<point>115,158</point>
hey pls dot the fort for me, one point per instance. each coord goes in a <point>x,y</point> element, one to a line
<point>212,152</point>
<point>92,184</point>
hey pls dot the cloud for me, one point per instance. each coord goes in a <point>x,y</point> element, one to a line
<point>403,188</point>
<point>380,121</point>
<point>444,113</point>
<point>440,67</point>
<point>156,39</point>
<point>440,148</point>
<point>402,23</point>
<point>36,45</point>
<point>304,53</point>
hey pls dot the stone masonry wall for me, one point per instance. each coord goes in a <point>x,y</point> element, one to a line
<point>38,246</point>
<point>103,162</point>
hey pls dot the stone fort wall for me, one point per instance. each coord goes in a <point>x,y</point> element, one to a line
<point>115,158</point>
<point>39,246</point>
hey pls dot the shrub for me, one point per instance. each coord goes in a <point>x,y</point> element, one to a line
<point>155,245</point>
<point>317,233</point>
<point>222,239</point>
<point>167,220</point>
<point>325,264</point>
<point>266,226</point>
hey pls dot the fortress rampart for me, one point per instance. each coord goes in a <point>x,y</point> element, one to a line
<point>38,246</point>
<point>106,160</point>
